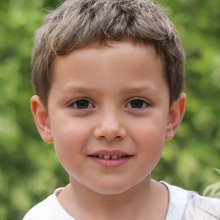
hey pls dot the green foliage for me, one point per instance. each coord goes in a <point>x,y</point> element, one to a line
<point>29,168</point>
<point>190,158</point>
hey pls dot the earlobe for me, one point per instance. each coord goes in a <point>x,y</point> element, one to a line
<point>41,119</point>
<point>169,132</point>
<point>175,116</point>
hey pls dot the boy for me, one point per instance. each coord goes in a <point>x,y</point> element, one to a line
<point>108,76</point>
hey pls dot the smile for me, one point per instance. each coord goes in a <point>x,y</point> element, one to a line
<point>110,159</point>
<point>113,157</point>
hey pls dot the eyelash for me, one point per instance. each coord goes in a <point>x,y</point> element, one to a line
<point>74,104</point>
<point>143,103</point>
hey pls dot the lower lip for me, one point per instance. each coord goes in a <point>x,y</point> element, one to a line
<point>110,163</point>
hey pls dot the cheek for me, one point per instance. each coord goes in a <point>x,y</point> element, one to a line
<point>70,138</point>
<point>149,136</point>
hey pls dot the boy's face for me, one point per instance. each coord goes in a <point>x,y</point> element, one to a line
<point>109,101</point>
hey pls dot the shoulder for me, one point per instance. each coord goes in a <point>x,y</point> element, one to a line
<point>201,207</point>
<point>187,205</point>
<point>41,210</point>
<point>48,209</point>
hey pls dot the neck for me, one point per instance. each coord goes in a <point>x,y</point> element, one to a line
<point>83,203</point>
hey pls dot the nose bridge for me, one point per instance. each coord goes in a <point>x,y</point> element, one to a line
<point>110,124</point>
<point>110,119</point>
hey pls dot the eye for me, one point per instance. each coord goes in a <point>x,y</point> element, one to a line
<point>82,104</point>
<point>137,103</point>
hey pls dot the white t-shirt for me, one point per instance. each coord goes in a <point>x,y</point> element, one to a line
<point>182,206</point>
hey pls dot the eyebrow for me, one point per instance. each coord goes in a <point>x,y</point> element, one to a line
<point>140,89</point>
<point>79,89</point>
<point>83,89</point>
<point>148,89</point>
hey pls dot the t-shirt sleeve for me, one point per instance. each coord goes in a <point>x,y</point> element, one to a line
<point>48,209</point>
<point>40,211</point>
<point>201,207</point>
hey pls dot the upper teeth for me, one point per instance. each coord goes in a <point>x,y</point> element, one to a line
<point>110,156</point>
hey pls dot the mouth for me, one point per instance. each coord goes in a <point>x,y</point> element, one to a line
<point>110,159</point>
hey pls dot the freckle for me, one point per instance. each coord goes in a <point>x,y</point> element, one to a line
<point>149,134</point>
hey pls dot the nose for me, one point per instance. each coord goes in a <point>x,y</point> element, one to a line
<point>110,127</point>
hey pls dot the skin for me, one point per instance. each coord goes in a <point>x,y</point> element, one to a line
<point>110,77</point>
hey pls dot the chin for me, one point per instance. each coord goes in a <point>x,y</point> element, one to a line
<point>110,188</point>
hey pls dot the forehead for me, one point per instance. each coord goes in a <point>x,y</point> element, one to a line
<point>125,64</point>
<point>135,52</point>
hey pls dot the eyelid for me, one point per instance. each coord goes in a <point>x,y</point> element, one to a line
<point>80,99</point>
<point>141,99</point>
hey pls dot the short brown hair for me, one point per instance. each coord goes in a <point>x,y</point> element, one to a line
<point>78,23</point>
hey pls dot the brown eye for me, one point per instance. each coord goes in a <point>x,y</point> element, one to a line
<point>82,104</point>
<point>137,103</point>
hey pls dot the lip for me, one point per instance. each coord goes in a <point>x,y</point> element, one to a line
<point>110,163</point>
<point>109,152</point>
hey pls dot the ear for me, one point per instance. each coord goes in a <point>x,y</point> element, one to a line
<point>41,119</point>
<point>175,116</point>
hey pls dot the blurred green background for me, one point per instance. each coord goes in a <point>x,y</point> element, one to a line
<point>29,168</point>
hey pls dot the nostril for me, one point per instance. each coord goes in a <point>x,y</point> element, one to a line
<point>109,132</point>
